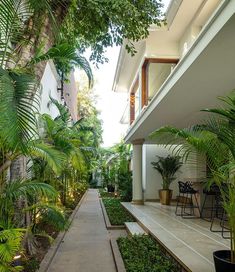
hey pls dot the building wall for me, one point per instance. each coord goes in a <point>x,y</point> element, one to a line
<point>49,87</point>
<point>49,84</point>
<point>194,170</point>
<point>70,96</point>
<point>188,39</point>
<point>161,45</point>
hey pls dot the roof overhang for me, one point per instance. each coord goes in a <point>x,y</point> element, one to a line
<point>203,74</point>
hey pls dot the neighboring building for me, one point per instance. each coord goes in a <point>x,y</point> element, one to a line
<point>178,70</point>
<point>51,87</point>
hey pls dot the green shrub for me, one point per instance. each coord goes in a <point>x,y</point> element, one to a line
<point>141,253</point>
<point>125,186</point>
<point>104,193</point>
<point>31,265</point>
<point>116,213</point>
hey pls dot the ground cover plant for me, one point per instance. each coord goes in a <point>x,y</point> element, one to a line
<point>116,213</point>
<point>105,194</point>
<point>141,253</point>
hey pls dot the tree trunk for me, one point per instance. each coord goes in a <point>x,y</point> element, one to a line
<point>5,165</point>
<point>18,168</point>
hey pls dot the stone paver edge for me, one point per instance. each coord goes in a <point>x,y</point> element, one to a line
<point>47,260</point>
<point>185,267</point>
<point>106,219</point>
<point>117,256</point>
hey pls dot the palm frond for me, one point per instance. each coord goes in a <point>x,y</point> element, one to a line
<point>10,244</point>
<point>188,142</point>
<point>48,153</point>
<point>12,16</point>
<point>66,55</point>
<point>13,190</point>
<point>17,107</point>
<point>64,114</point>
<point>50,214</point>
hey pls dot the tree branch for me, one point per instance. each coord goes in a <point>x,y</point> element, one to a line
<point>5,165</point>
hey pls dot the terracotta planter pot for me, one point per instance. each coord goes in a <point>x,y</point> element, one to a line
<point>165,196</point>
<point>222,261</point>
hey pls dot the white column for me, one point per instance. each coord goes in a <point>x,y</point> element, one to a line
<point>137,194</point>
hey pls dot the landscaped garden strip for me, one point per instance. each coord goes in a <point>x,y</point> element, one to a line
<point>141,253</point>
<point>116,213</point>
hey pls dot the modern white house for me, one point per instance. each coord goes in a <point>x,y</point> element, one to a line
<point>181,68</point>
<point>51,87</point>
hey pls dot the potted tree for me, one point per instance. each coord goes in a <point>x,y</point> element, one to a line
<point>167,167</point>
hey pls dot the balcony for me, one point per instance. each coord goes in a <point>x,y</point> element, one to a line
<point>152,75</point>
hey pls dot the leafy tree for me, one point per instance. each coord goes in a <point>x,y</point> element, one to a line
<point>91,125</point>
<point>101,24</point>
<point>114,163</point>
<point>87,111</point>
<point>124,174</point>
<point>35,25</point>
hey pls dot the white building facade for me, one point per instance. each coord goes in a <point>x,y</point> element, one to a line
<point>51,87</point>
<point>178,70</point>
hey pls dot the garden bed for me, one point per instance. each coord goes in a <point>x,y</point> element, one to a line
<point>141,253</point>
<point>116,213</point>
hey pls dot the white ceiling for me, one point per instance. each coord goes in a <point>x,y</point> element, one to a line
<point>210,75</point>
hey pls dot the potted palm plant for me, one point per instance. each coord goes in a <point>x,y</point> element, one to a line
<point>167,167</point>
<point>215,139</point>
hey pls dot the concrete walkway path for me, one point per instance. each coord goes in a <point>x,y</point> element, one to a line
<point>86,246</point>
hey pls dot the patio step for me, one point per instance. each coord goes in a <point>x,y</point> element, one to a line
<point>188,241</point>
<point>133,228</point>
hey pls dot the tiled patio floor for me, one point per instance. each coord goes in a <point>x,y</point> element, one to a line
<point>189,240</point>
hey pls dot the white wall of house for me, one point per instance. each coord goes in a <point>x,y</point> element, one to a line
<point>194,170</point>
<point>49,84</point>
<point>70,96</point>
<point>160,44</point>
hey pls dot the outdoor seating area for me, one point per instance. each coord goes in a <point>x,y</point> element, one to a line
<point>190,241</point>
<point>211,210</point>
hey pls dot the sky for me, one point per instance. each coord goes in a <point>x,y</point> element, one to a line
<point>111,104</point>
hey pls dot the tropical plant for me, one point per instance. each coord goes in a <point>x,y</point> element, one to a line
<point>117,214</point>
<point>68,140</point>
<point>167,167</point>
<point>115,168</point>
<point>14,197</point>
<point>10,245</point>
<point>143,254</point>
<point>124,174</point>
<point>215,140</point>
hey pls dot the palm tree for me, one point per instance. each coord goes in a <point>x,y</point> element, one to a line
<point>14,197</point>
<point>167,167</point>
<point>68,140</point>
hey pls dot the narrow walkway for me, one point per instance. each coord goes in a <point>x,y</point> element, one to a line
<point>86,246</point>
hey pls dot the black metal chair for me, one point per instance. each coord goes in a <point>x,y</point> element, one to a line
<point>220,215</point>
<point>209,204</point>
<point>185,201</point>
